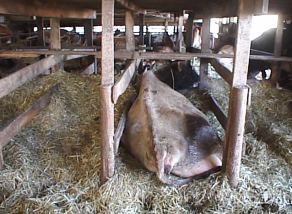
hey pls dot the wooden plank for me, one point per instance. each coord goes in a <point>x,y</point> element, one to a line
<point>237,119</point>
<point>13,128</point>
<point>237,107</point>
<point>217,110</point>
<point>205,46</point>
<point>122,123</point>
<point>279,37</point>
<point>129,22</point>
<point>222,71</point>
<point>88,32</point>
<point>123,83</point>
<point>44,9</point>
<point>107,81</point>
<point>13,81</point>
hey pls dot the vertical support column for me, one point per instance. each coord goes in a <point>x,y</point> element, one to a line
<point>205,47</point>
<point>88,31</point>
<point>279,36</point>
<point>275,75</point>
<point>130,39</point>
<point>55,38</point>
<point>141,28</point>
<point>190,30</point>
<point>238,96</point>
<point>166,25</point>
<point>179,42</point>
<point>107,82</point>
<point>40,26</point>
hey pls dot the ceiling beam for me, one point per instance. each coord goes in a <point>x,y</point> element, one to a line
<point>44,9</point>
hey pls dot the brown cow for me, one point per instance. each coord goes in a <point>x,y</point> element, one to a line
<point>168,135</point>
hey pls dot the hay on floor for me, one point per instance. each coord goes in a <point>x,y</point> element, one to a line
<point>52,166</point>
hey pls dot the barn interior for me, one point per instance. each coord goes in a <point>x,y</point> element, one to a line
<point>69,68</point>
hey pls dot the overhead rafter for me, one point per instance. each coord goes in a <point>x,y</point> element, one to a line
<point>44,9</point>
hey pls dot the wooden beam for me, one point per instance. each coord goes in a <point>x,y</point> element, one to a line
<point>130,38</point>
<point>217,110</point>
<point>279,37</point>
<point>205,46</point>
<point>88,32</point>
<point>222,71</point>
<point>107,81</point>
<point>123,54</point>
<point>123,83</point>
<point>237,107</point>
<point>44,9</point>
<point>122,123</point>
<point>11,130</point>
<point>13,81</point>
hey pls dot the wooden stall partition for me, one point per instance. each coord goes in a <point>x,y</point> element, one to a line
<point>12,129</point>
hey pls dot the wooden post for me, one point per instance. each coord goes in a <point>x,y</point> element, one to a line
<point>107,82</point>
<point>129,22</point>
<point>238,96</point>
<point>166,25</point>
<point>141,28</point>
<point>179,41</point>
<point>88,31</point>
<point>237,115</point>
<point>190,29</point>
<point>40,26</point>
<point>205,46</point>
<point>1,158</point>
<point>276,72</point>
<point>279,36</point>
<point>55,38</point>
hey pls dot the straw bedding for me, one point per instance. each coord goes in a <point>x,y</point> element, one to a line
<point>52,166</point>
